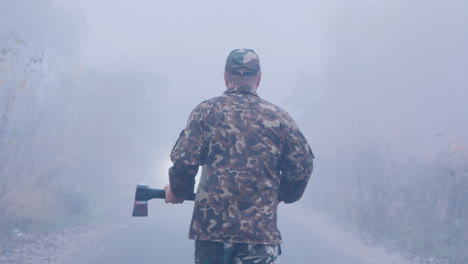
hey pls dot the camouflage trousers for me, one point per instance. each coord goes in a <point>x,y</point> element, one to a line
<point>209,252</point>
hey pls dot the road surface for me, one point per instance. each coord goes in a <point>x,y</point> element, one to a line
<point>162,238</point>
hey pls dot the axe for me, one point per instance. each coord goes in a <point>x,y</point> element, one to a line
<point>144,193</point>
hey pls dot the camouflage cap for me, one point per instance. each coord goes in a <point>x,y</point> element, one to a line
<point>243,62</point>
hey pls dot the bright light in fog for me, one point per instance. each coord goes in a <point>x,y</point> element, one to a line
<point>161,177</point>
<point>162,167</point>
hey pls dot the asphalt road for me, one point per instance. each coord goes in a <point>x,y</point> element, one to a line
<point>162,238</point>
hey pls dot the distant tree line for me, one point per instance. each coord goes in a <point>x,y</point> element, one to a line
<point>72,141</point>
<point>389,127</point>
<point>418,204</point>
<point>34,136</point>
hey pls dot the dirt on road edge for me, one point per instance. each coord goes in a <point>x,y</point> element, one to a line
<point>55,247</point>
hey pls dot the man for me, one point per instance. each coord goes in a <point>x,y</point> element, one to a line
<point>253,156</point>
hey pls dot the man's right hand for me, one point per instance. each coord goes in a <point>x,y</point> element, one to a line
<point>170,198</point>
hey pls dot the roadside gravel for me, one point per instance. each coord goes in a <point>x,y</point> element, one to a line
<point>51,248</point>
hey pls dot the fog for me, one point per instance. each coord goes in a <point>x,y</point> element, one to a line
<point>93,95</point>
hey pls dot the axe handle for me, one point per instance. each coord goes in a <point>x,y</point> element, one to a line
<point>161,194</point>
<point>144,193</point>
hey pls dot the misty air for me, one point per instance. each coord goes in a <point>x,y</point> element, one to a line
<point>215,132</point>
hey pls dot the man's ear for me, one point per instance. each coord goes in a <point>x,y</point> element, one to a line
<point>225,79</point>
<point>259,79</point>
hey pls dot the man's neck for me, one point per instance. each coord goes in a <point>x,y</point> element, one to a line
<point>248,89</point>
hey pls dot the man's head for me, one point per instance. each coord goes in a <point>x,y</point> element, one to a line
<point>242,69</point>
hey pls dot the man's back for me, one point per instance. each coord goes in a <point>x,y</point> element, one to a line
<point>253,156</point>
<point>245,145</point>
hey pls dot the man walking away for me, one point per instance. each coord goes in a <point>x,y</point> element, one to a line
<point>253,157</point>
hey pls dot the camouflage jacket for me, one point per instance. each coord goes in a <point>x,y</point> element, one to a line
<point>253,156</point>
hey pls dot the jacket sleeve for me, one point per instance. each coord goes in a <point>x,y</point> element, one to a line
<point>187,155</point>
<point>296,165</point>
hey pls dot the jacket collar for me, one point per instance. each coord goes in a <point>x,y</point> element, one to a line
<point>241,89</point>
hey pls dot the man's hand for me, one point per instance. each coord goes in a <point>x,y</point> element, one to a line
<point>170,198</point>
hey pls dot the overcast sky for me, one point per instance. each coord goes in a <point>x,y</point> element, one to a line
<point>349,71</point>
<point>188,41</point>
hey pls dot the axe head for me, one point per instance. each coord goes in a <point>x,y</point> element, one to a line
<point>140,207</point>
